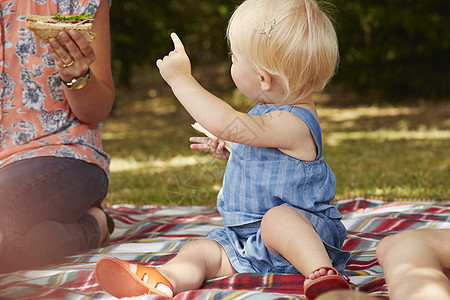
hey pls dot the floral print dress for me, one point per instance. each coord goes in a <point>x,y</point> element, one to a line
<point>35,117</point>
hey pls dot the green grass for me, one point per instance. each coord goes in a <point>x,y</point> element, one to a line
<point>389,151</point>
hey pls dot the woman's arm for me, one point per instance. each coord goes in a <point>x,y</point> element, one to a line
<point>92,103</point>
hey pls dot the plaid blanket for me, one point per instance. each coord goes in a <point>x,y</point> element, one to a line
<point>153,234</point>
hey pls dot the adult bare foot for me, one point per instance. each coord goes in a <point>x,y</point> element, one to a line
<point>100,216</point>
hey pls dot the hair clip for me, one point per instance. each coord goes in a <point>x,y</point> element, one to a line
<point>267,27</point>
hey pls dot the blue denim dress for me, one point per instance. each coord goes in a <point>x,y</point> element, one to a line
<point>259,178</point>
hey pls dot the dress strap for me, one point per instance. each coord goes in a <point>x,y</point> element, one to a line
<point>313,124</point>
<point>305,115</point>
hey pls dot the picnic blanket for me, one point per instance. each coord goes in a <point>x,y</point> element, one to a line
<point>153,234</point>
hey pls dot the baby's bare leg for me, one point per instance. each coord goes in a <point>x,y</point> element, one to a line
<point>288,232</point>
<point>195,262</point>
<point>415,263</point>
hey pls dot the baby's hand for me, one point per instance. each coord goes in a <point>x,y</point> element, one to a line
<point>176,64</point>
<point>212,145</point>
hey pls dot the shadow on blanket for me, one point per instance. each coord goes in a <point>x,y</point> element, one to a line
<point>153,234</point>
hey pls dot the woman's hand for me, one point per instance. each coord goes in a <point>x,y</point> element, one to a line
<point>176,64</point>
<point>76,60</point>
<point>214,146</point>
<point>92,103</point>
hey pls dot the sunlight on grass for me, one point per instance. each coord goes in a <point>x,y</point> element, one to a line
<point>346,115</point>
<point>336,138</point>
<point>388,151</point>
<point>382,124</point>
<point>129,164</point>
<point>158,106</point>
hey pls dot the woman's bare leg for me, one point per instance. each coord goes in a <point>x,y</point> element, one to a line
<point>346,295</point>
<point>416,264</point>
<point>100,217</point>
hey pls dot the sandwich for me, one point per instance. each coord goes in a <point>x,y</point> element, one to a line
<point>200,128</point>
<point>46,27</point>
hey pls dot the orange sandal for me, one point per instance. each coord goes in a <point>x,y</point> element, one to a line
<point>116,277</point>
<point>326,283</point>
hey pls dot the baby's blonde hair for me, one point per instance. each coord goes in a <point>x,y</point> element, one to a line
<point>291,39</point>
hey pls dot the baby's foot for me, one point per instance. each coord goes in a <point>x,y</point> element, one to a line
<point>122,279</point>
<point>317,274</point>
<point>323,280</point>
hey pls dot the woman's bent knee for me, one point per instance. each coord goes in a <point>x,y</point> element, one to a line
<point>408,239</point>
<point>383,247</point>
<point>1,244</point>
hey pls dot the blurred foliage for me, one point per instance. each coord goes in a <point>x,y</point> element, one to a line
<point>397,47</point>
<point>141,28</point>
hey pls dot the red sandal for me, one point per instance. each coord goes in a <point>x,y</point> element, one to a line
<point>116,277</point>
<point>326,283</point>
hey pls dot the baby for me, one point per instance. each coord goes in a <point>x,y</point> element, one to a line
<point>277,189</point>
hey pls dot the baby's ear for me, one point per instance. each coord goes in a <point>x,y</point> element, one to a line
<point>265,79</point>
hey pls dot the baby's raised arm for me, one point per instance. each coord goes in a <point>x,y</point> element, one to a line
<point>176,64</point>
<point>277,129</point>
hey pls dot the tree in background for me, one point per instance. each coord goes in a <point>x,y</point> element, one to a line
<point>141,29</point>
<point>397,47</point>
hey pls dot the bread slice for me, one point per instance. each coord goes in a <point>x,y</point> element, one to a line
<point>44,28</point>
<point>200,128</point>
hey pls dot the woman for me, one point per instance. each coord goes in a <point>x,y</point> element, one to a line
<point>53,170</point>
<point>416,264</point>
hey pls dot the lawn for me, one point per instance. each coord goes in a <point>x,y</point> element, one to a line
<point>379,150</point>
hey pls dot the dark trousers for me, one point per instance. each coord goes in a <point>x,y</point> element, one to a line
<point>43,204</point>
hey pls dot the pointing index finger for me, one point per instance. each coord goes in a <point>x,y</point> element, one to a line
<point>178,44</point>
